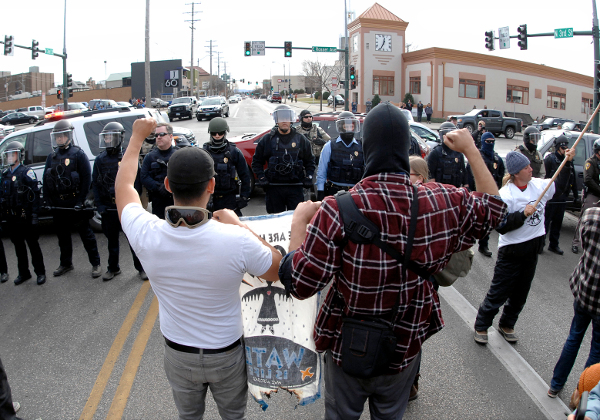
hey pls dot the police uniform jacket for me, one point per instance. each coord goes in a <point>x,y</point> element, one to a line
<point>289,157</point>
<point>20,193</point>
<point>104,175</point>
<point>447,166</point>
<point>535,160</point>
<point>67,177</point>
<point>229,166</point>
<point>494,164</point>
<point>552,162</point>
<point>154,168</point>
<point>591,176</point>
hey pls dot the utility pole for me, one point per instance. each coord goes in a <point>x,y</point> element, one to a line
<point>192,58</point>
<point>147,85</point>
<point>595,35</point>
<point>346,62</point>
<point>65,87</point>
<point>226,79</point>
<point>218,69</point>
<point>210,52</point>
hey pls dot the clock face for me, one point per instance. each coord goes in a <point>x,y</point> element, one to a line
<point>383,42</point>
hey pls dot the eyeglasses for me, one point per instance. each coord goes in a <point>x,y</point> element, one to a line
<point>161,134</point>
<point>191,217</point>
<point>307,116</point>
<point>217,133</point>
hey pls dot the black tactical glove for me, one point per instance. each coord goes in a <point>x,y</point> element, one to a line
<point>78,207</point>
<point>34,219</point>
<point>242,202</point>
<point>320,195</point>
<point>308,182</point>
<point>263,182</point>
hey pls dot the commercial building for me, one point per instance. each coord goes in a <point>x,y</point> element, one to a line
<point>25,82</point>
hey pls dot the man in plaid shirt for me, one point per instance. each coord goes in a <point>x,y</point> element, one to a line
<point>585,286</point>
<point>365,280</point>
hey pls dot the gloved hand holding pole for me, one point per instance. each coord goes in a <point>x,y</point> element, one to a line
<point>565,160</point>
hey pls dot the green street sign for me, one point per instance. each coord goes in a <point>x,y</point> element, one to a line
<point>324,49</point>
<point>563,33</point>
<point>49,51</point>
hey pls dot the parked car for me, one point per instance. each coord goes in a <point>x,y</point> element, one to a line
<point>432,138</point>
<point>338,100</point>
<point>495,123</point>
<point>233,100</point>
<point>185,133</point>
<point>87,127</point>
<point>36,110</point>
<point>5,130</point>
<point>72,106</point>
<point>158,103</point>
<point>213,107</point>
<point>276,97</point>
<point>182,107</point>
<point>18,118</point>
<point>584,150</point>
<point>551,123</point>
<point>102,104</point>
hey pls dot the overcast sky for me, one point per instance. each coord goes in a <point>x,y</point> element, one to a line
<point>113,31</point>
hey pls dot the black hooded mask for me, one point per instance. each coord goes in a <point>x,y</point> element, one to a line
<point>386,140</point>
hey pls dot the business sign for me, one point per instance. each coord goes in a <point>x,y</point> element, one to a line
<point>171,78</point>
<point>205,85</point>
<point>504,38</point>
<point>563,33</point>
<point>258,47</point>
<point>278,329</point>
<point>334,82</point>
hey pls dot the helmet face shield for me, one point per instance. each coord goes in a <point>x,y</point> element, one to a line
<point>347,125</point>
<point>284,115</point>
<point>61,139</point>
<point>110,139</point>
<point>534,138</point>
<point>11,157</point>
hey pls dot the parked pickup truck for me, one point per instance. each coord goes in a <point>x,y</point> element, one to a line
<point>494,122</point>
<point>38,111</point>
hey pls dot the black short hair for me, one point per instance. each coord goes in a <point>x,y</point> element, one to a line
<point>185,193</point>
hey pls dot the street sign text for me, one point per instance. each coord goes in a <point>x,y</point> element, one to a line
<point>563,33</point>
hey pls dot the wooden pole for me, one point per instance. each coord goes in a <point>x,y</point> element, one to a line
<point>565,160</point>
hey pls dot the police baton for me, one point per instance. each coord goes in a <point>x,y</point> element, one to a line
<point>81,209</point>
<point>564,162</point>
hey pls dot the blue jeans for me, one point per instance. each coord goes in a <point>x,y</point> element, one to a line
<point>579,325</point>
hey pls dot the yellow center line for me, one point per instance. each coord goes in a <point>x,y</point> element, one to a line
<point>133,362</point>
<point>96,395</point>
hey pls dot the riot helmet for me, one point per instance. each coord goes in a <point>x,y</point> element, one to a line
<point>111,137</point>
<point>445,128</point>
<point>561,142</point>
<point>61,135</point>
<point>13,154</point>
<point>597,146</point>
<point>305,122</point>
<point>531,135</point>
<point>347,125</point>
<point>283,113</point>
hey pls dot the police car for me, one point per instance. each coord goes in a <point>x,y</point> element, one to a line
<point>87,127</point>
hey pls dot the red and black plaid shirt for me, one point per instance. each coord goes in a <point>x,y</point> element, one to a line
<point>450,220</point>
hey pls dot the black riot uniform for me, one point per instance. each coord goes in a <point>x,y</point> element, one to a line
<point>20,202</point>
<point>591,190</point>
<point>291,164</point>
<point>447,166</point>
<point>556,207</point>
<point>67,180</point>
<point>154,172</point>
<point>230,168</point>
<point>104,174</point>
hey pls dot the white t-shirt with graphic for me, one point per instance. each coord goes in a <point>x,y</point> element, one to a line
<point>516,200</point>
<point>196,275</point>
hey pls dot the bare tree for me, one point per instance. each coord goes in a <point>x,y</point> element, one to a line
<point>318,75</point>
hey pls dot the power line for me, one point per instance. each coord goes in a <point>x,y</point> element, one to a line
<point>192,20</point>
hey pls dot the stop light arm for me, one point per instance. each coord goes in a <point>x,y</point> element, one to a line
<point>39,49</point>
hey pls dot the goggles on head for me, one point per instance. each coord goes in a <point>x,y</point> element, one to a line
<point>190,217</point>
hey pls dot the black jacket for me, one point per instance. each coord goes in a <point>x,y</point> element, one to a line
<point>551,163</point>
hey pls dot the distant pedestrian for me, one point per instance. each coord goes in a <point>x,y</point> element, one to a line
<point>428,112</point>
<point>420,111</point>
<point>295,97</point>
<point>354,107</point>
<point>369,105</point>
<point>409,105</point>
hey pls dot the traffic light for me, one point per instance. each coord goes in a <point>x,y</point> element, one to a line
<point>233,81</point>
<point>271,88</point>
<point>9,48</point>
<point>287,46</point>
<point>353,84</point>
<point>489,40</point>
<point>69,79</point>
<point>34,49</point>
<point>59,94</point>
<point>70,94</point>
<point>243,80</point>
<point>247,48</point>
<point>248,82</point>
<point>522,37</point>
<point>352,75</point>
<point>257,83</point>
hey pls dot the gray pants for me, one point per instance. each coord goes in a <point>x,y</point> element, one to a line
<point>190,375</point>
<point>590,201</point>
<point>345,395</point>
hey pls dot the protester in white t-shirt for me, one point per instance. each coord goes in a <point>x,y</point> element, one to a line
<point>195,265</point>
<point>520,240</point>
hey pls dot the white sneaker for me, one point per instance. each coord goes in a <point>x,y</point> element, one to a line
<point>16,406</point>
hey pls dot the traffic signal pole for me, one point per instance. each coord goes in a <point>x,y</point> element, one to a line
<point>346,62</point>
<point>595,36</point>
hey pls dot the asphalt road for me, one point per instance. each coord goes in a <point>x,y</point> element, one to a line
<point>78,347</point>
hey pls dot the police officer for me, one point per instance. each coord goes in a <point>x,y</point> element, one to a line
<point>154,169</point>
<point>591,189</point>
<point>342,165</point>
<point>315,134</point>
<point>67,179</point>
<point>445,165</point>
<point>230,166</point>
<point>478,133</point>
<point>291,164</point>
<point>531,136</point>
<point>20,205</point>
<point>555,208</point>
<point>495,165</point>
<point>104,174</point>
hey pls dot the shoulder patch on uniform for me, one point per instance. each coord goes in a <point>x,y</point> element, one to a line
<point>587,165</point>
<point>31,174</point>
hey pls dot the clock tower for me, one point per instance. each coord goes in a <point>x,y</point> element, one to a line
<point>377,42</point>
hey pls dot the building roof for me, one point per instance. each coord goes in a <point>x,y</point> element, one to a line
<point>379,17</point>
<point>201,71</point>
<point>118,76</point>
<point>380,13</point>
